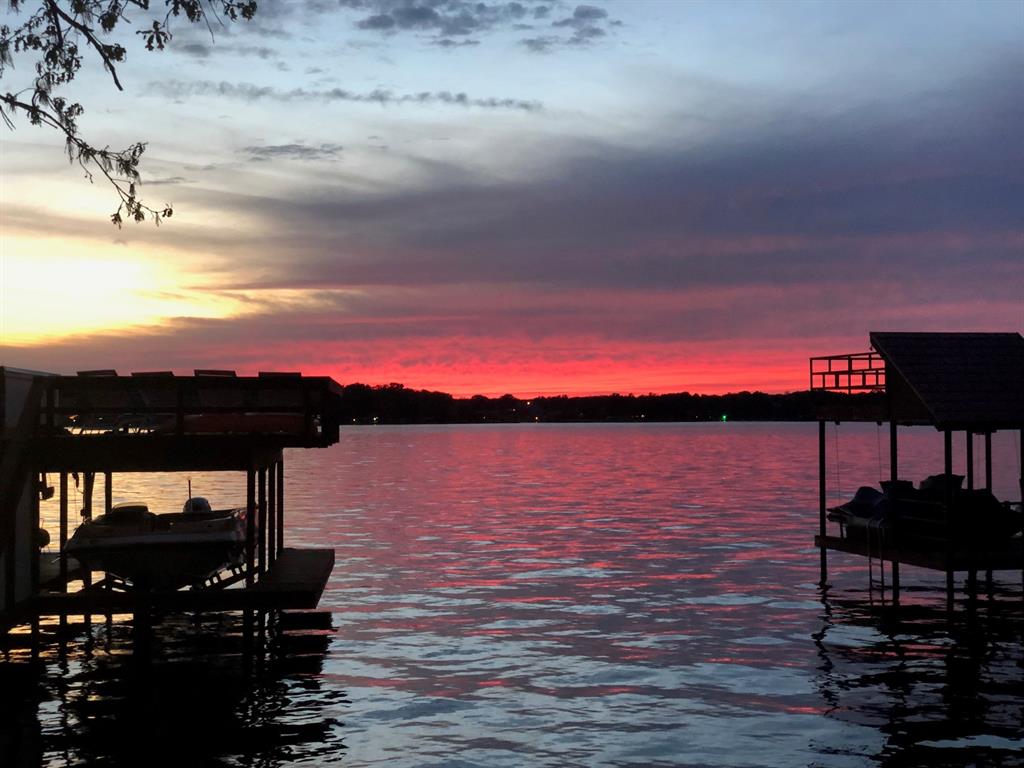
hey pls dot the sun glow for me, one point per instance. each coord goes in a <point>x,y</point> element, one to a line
<point>56,287</point>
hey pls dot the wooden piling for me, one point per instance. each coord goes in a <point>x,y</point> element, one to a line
<point>272,513</point>
<point>822,503</point>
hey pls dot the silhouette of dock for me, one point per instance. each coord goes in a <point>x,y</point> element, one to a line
<point>969,383</point>
<point>102,423</point>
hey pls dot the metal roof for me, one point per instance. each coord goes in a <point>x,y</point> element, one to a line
<point>963,380</point>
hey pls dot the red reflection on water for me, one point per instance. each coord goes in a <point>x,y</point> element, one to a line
<point>586,539</point>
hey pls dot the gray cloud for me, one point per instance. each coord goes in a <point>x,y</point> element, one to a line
<point>164,181</point>
<point>931,187</point>
<point>293,152</point>
<point>541,44</point>
<point>448,19</point>
<point>779,222</point>
<point>203,50</point>
<point>447,42</point>
<point>199,50</point>
<point>248,92</point>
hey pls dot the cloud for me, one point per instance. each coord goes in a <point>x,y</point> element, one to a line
<point>447,42</point>
<point>164,181</point>
<point>293,152</point>
<point>177,89</point>
<point>447,19</point>
<point>199,50</point>
<point>779,219</point>
<point>541,44</point>
<point>205,50</point>
<point>929,186</point>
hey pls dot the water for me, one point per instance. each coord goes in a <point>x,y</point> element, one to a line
<point>557,595</point>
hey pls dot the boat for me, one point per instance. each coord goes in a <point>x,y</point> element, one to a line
<point>917,516</point>
<point>161,551</point>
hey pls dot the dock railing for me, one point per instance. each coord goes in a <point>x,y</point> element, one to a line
<point>854,373</point>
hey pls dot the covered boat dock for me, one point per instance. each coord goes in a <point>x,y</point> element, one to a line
<point>968,383</point>
<point>100,423</point>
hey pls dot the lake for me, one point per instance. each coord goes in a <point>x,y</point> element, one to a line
<point>557,595</point>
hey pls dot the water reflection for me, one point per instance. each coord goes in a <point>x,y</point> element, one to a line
<point>581,595</point>
<point>195,698</point>
<point>943,690</point>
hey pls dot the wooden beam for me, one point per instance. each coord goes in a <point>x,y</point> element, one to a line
<point>154,453</point>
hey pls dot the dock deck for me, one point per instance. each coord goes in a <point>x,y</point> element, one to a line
<point>295,580</point>
<point>1006,557</point>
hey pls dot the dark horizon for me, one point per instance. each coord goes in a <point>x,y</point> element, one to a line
<point>396,404</point>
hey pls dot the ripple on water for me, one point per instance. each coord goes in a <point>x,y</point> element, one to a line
<point>558,595</point>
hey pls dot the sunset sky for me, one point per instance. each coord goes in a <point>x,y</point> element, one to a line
<point>530,197</point>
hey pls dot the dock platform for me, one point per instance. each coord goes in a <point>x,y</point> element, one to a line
<point>294,581</point>
<point>1008,556</point>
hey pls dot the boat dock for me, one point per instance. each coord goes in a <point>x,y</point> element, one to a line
<point>100,423</point>
<point>966,383</point>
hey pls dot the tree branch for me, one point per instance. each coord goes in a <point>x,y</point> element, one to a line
<point>100,48</point>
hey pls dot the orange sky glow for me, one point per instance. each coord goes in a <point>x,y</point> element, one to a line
<point>667,215</point>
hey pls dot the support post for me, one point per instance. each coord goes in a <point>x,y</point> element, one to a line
<point>972,574</point>
<point>63,556</point>
<point>88,485</point>
<point>250,528</point>
<point>34,567</point>
<point>894,473</point>
<point>948,463</point>
<point>970,460</point>
<point>822,502</point>
<point>108,491</point>
<point>988,461</point>
<point>280,504</point>
<point>262,532</point>
<point>250,555</point>
<point>272,512</point>
<point>63,532</point>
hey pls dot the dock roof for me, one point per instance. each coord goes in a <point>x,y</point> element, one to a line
<point>99,421</point>
<point>961,380</point>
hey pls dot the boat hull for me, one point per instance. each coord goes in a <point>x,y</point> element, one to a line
<point>162,552</point>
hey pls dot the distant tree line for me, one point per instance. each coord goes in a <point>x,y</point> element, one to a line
<point>395,404</point>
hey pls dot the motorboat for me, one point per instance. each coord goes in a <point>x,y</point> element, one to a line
<point>161,551</point>
<point>917,516</point>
